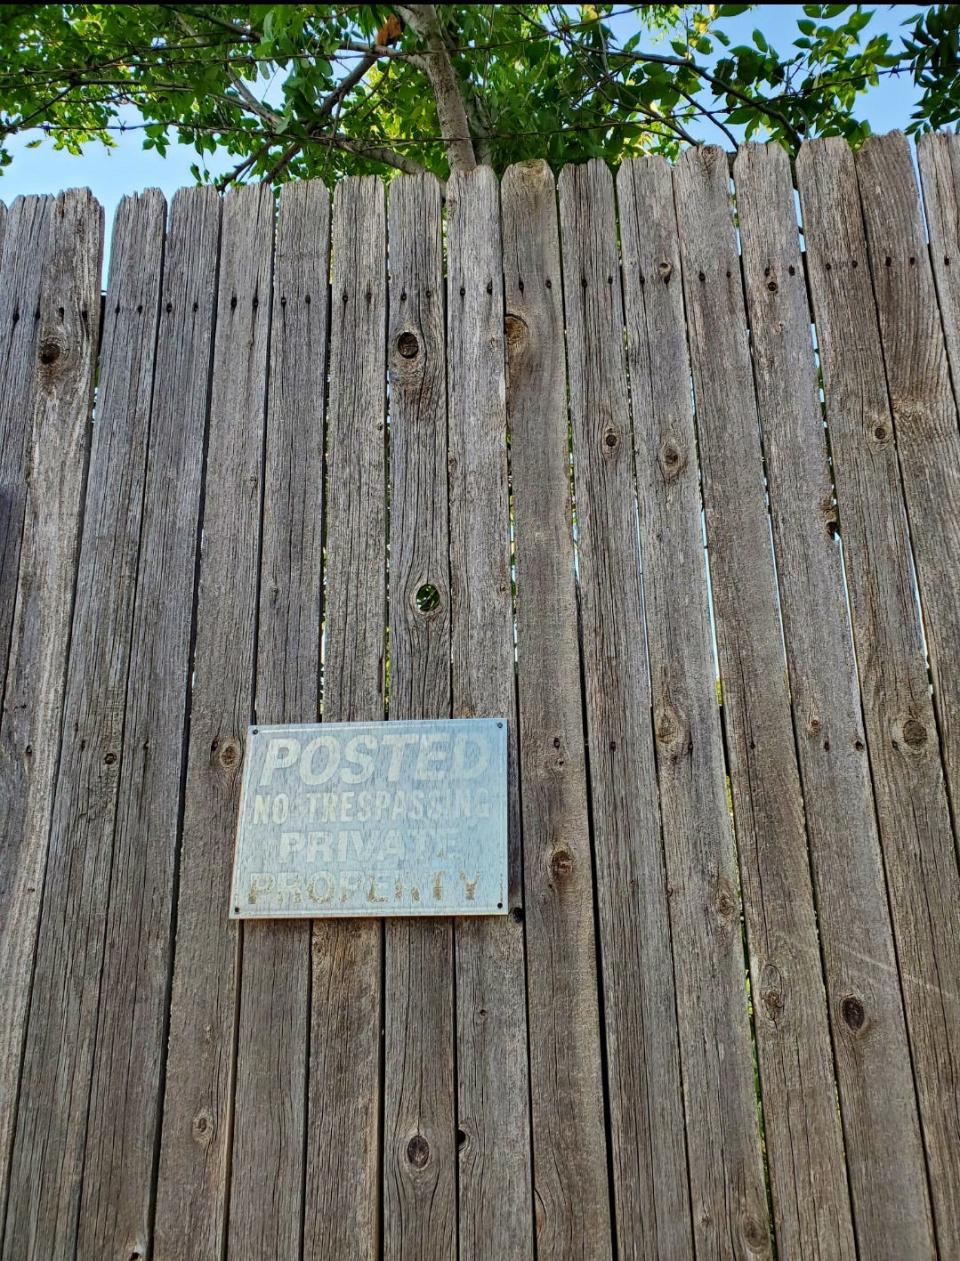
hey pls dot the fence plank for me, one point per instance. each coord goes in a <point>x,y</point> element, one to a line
<point>125,1101</point>
<point>343,1135</point>
<point>27,224</point>
<point>496,1208</point>
<point>877,1100</point>
<point>938,157</point>
<point>569,1144</point>
<point>902,738</point>
<point>649,1158</point>
<point>924,413</point>
<point>58,1050</point>
<point>33,702</point>
<point>420,1151</point>
<point>267,1167</point>
<point>802,1128</point>
<point>197,1117</point>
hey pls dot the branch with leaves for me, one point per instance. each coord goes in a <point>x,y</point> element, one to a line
<point>294,91</point>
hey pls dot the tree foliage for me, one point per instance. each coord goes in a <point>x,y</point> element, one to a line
<point>322,90</point>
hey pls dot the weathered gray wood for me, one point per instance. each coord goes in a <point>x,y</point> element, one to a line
<point>495,1194</point>
<point>125,1098</point>
<point>343,1137</point>
<point>420,1148</point>
<point>938,156</point>
<point>266,1183</point>
<point>924,413</point>
<point>569,1144</point>
<point>21,269</point>
<point>802,1127</point>
<point>876,1094</point>
<point>918,845</point>
<point>33,701</point>
<point>58,1051</point>
<point>640,1016</point>
<point>198,1102</point>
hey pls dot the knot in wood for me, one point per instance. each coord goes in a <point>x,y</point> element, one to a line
<point>754,1235</point>
<point>771,991</point>
<point>910,734</point>
<point>665,271</point>
<point>203,1128</point>
<point>408,345</point>
<point>515,330</point>
<point>853,1012</point>
<point>725,903</point>
<point>49,352</point>
<point>611,439</point>
<point>229,754</point>
<point>671,458</point>
<point>672,733</point>
<point>561,863</point>
<point>418,1151</point>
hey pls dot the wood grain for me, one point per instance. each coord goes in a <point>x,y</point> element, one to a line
<point>342,1216</point>
<point>198,1102</point>
<point>26,226</point>
<point>874,1074</point>
<point>64,371</point>
<point>938,157</point>
<point>420,1147</point>
<point>646,1106</point>
<point>267,1167</point>
<point>902,739</point>
<point>58,1052</point>
<point>924,413</point>
<point>569,1142</point>
<point>125,1100</point>
<point>495,1190</point>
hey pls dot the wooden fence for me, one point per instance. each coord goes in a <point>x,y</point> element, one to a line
<point>632,462</point>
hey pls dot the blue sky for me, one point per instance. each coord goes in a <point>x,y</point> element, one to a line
<point>111,173</point>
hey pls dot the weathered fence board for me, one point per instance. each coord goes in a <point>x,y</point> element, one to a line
<point>193,1188</point>
<point>918,845</point>
<point>343,1194</point>
<point>63,375</point>
<point>266,1186</point>
<point>419,1141</point>
<point>874,1076</point>
<point>569,1143</point>
<point>495,1201</point>
<point>25,229</point>
<point>58,1051</point>
<point>128,1058</point>
<point>647,1134</point>
<point>924,412</point>
<point>805,1148</point>
<point>458,454</point>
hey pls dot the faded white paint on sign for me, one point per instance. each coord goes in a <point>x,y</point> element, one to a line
<point>386,818</point>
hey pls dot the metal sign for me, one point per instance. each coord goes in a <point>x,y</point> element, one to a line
<point>384,818</point>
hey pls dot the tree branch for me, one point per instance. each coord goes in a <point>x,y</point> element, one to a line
<point>451,111</point>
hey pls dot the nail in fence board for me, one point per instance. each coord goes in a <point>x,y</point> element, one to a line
<point>495,1200</point>
<point>126,1089</point>
<point>419,1140</point>
<point>874,1075</point>
<point>802,1126</point>
<point>64,374</point>
<point>198,1103</point>
<point>267,1164</point>
<point>569,1142</point>
<point>918,844</point>
<point>646,1106</point>
<point>58,1051</point>
<point>342,1208</point>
